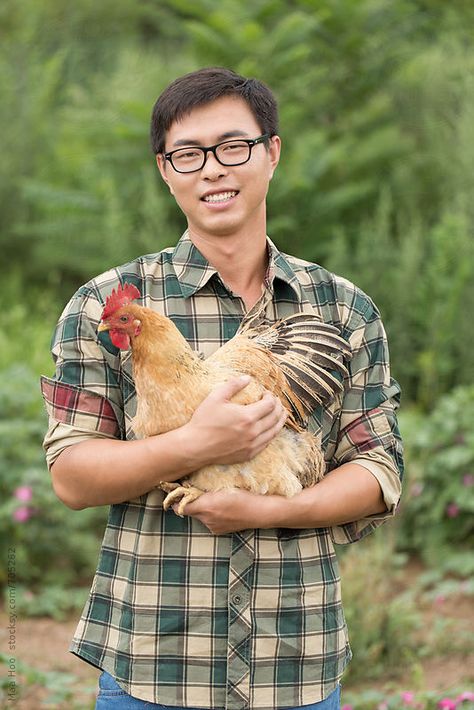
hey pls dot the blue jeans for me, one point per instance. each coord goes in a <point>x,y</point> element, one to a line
<point>112,697</point>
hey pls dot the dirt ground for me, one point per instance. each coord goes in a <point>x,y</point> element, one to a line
<point>43,644</point>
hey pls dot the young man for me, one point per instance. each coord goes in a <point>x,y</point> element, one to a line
<point>237,605</point>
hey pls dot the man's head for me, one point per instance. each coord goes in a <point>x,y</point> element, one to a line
<point>203,87</point>
<point>214,137</point>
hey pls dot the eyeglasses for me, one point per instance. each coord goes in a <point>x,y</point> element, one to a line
<point>193,158</point>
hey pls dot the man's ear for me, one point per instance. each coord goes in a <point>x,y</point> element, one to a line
<point>161,163</point>
<point>274,150</point>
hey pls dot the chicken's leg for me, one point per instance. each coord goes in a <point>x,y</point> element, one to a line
<point>184,493</point>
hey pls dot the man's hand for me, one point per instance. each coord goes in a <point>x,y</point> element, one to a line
<point>221,431</point>
<point>231,511</point>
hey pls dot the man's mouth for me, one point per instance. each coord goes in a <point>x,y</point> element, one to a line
<point>220,196</point>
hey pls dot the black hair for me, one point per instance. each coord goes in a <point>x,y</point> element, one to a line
<point>204,86</point>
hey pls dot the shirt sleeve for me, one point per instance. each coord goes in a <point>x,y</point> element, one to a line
<point>83,399</point>
<point>368,428</point>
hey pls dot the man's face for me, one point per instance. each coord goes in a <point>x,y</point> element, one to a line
<point>239,191</point>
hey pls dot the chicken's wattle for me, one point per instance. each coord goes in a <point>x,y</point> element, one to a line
<point>119,339</point>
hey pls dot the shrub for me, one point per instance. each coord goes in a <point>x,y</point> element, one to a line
<point>437,519</point>
<point>53,548</point>
<point>382,626</point>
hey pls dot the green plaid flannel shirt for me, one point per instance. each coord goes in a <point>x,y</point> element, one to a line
<point>177,615</point>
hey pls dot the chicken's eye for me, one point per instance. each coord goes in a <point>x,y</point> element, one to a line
<point>124,319</point>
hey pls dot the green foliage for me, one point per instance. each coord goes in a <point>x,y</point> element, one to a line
<point>52,547</point>
<point>382,626</point>
<point>56,600</point>
<point>26,326</point>
<point>375,181</point>
<point>437,519</point>
<point>424,287</point>
<point>58,685</point>
<point>414,254</point>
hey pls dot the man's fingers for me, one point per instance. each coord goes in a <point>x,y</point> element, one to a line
<point>226,391</point>
<point>273,419</point>
<point>264,406</point>
<point>263,439</point>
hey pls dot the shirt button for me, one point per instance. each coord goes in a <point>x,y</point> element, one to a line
<point>236,598</point>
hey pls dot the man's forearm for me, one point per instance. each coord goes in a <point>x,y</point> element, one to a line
<point>348,493</point>
<point>106,471</point>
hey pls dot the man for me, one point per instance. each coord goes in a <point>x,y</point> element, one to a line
<point>237,605</point>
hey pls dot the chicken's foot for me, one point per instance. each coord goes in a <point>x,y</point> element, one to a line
<point>184,493</point>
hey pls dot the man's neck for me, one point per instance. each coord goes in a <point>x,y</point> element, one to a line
<point>240,261</point>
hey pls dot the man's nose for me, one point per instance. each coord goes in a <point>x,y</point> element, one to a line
<point>212,169</point>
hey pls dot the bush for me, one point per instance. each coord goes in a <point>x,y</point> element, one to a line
<point>382,627</point>
<point>53,548</point>
<point>436,518</point>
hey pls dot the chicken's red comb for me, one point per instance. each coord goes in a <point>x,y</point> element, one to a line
<point>121,297</point>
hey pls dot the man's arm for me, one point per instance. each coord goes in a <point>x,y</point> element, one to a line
<point>349,493</point>
<point>106,471</point>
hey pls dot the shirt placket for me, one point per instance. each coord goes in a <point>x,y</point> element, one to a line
<point>240,628</point>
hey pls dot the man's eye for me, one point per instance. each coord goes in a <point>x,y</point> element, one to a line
<point>188,155</point>
<point>233,147</point>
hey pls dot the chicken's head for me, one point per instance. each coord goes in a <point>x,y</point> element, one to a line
<point>121,317</point>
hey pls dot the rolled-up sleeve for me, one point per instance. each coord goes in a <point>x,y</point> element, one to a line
<point>83,399</point>
<point>368,428</point>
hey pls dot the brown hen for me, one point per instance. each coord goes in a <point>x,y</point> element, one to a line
<point>298,359</point>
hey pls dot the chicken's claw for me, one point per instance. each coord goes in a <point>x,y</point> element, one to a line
<point>183,493</point>
<point>168,486</point>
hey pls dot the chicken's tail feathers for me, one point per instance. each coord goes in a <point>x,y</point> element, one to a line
<point>312,356</point>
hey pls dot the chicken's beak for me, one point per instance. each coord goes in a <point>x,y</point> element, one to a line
<point>102,326</point>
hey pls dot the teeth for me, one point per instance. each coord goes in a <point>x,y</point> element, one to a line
<point>220,196</point>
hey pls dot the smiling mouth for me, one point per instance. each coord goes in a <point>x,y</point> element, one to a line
<point>220,196</point>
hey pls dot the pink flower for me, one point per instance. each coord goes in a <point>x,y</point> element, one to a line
<point>447,704</point>
<point>22,514</point>
<point>347,707</point>
<point>23,493</point>
<point>382,706</point>
<point>408,697</point>
<point>465,696</point>
<point>416,489</point>
<point>439,599</point>
<point>452,510</point>
<point>468,479</point>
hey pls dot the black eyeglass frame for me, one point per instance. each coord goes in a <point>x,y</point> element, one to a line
<point>212,149</point>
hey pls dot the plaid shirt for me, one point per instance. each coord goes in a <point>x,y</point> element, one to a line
<point>177,615</point>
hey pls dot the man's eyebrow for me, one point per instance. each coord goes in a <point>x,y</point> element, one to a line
<point>221,137</point>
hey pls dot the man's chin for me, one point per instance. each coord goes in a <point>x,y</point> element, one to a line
<point>217,230</point>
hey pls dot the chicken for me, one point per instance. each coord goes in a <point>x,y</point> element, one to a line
<point>295,359</point>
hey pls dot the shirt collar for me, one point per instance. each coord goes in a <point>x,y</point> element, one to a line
<point>279,267</point>
<point>193,270</point>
